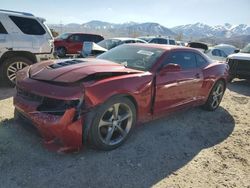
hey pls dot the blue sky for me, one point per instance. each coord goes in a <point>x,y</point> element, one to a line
<point>166,12</point>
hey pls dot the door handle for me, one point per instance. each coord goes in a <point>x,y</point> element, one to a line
<point>197,75</point>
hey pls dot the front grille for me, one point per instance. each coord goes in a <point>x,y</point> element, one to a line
<point>28,95</point>
<point>239,66</point>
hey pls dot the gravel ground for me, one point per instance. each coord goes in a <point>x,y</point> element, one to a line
<point>193,148</point>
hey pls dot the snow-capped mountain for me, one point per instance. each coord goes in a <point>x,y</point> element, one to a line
<point>202,30</point>
<point>197,30</point>
<point>114,30</point>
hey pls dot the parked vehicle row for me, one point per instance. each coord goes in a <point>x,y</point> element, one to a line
<point>72,43</point>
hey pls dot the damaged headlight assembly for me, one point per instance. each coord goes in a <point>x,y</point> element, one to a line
<point>58,107</point>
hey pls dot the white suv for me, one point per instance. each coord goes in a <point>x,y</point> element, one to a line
<point>24,40</point>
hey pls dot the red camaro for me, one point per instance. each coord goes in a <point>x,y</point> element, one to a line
<point>99,101</point>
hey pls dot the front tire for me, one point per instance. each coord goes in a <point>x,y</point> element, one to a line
<point>112,124</point>
<point>215,96</point>
<point>10,67</point>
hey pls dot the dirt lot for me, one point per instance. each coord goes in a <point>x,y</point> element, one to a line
<point>193,148</point>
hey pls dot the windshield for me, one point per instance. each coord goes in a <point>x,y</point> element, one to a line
<point>136,57</point>
<point>246,49</point>
<point>63,36</point>
<point>109,43</point>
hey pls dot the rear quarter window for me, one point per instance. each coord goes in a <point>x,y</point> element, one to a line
<point>28,26</point>
<point>2,29</point>
<point>201,62</point>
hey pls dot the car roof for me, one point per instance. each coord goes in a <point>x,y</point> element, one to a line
<point>156,37</point>
<point>125,38</point>
<point>81,33</point>
<point>163,46</point>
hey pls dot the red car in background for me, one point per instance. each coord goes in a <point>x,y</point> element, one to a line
<point>71,43</point>
<point>99,100</point>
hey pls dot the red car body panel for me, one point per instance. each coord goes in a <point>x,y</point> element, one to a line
<point>153,92</point>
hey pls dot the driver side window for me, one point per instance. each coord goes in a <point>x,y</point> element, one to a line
<point>185,59</point>
<point>75,38</point>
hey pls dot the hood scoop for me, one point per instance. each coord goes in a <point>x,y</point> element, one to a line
<point>73,70</point>
<point>65,63</point>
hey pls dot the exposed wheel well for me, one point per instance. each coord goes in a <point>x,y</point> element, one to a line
<point>24,54</point>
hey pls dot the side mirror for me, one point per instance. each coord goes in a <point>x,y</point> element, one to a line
<point>236,51</point>
<point>171,67</point>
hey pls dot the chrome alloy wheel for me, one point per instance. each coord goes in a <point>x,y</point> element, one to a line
<point>217,95</point>
<point>115,124</point>
<point>13,68</point>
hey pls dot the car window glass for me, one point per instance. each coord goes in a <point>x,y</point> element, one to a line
<point>85,37</point>
<point>2,29</point>
<point>138,41</point>
<point>109,43</point>
<point>129,41</point>
<point>185,59</point>
<point>201,62</point>
<point>216,52</point>
<point>154,41</point>
<point>132,56</point>
<point>97,38</point>
<point>162,41</point>
<point>223,53</point>
<point>75,38</point>
<point>172,42</point>
<point>28,26</point>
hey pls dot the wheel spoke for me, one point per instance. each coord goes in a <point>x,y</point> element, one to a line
<point>105,123</point>
<point>124,117</point>
<point>12,69</point>
<point>109,134</point>
<point>12,77</point>
<point>215,102</point>
<point>19,65</point>
<point>116,110</point>
<point>218,89</point>
<point>123,132</point>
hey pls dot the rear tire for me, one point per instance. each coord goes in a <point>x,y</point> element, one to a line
<point>10,67</point>
<point>112,124</point>
<point>215,96</point>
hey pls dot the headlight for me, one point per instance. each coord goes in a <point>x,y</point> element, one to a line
<point>58,107</point>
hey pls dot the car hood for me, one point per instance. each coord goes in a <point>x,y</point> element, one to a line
<point>240,56</point>
<point>72,70</point>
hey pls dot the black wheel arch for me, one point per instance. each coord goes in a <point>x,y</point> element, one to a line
<point>10,54</point>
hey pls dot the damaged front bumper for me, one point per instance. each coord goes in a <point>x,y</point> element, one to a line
<point>62,133</point>
<point>56,110</point>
